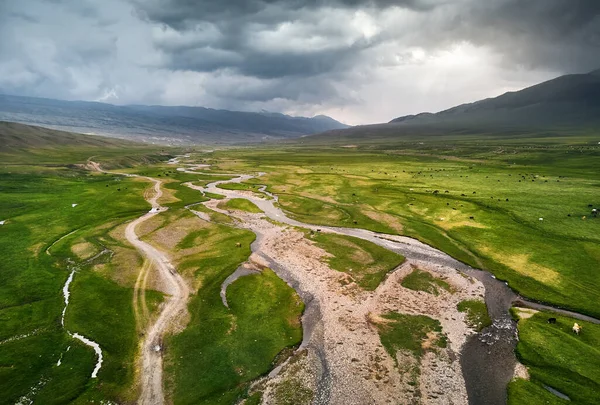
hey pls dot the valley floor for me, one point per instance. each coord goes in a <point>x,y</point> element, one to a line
<point>291,277</point>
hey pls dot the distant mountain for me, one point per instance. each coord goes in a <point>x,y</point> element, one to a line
<point>161,123</point>
<point>18,137</point>
<point>567,101</point>
<point>563,106</point>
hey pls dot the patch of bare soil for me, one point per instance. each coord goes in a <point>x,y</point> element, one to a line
<point>84,250</point>
<point>385,218</point>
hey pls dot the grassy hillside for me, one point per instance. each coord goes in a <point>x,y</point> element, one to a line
<point>14,137</point>
<point>25,144</point>
<point>566,101</point>
<point>567,106</point>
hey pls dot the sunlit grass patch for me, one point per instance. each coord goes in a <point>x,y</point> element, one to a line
<point>239,204</point>
<point>420,280</point>
<point>237,344</point>
<point>367,263</point>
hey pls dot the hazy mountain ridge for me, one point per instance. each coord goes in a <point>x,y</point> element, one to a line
<point>14,136</point>
<point>165,123</point>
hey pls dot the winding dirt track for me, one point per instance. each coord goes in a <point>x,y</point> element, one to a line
<point>151,380</point>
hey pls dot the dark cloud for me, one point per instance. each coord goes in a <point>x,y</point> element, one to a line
<point>178,13</point>
<point>550,34</point>
<point>562,34</point>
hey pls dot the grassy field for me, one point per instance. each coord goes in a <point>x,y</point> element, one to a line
<point>223,349</point>
<point>558,358</point>
<point>36,203</point>
<point>239,204</point>
<point>479,202</point>
<point>419,280</point>
<point>519,208</point>
<point>366,262</point>
<point>476,313</point>
<point>413,335</point>
<point>408,332</point>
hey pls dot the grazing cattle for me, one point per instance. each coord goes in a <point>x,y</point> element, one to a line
<point>576,328</point>
<point>238,244</point>
<point>551,320</point>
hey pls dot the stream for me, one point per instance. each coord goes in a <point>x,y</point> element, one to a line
<point>83,339</point>
<point>487,359</point>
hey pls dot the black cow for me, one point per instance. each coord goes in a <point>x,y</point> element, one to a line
<point>551,320</point>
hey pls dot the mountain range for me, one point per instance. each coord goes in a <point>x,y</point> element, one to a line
<point>161,124</point>
<point>566,101</point>
<point>565,105</point>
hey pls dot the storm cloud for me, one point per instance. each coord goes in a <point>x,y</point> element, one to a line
<point>358,60</point>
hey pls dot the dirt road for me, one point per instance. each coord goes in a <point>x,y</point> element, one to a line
<point>151,379</point>
<point>151,373</point>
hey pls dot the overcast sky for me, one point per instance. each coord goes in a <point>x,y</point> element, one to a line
<point>357,61</point>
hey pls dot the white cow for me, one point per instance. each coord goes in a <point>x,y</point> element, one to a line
<point>576,328</point>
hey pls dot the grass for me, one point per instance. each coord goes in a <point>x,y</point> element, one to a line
<point>292,392</point>
<point>556,357</point>
<point>402,332</point>
<point>477,316</point>
<point>214,196</point>
<point>238,186</point>
<point>238,344</point>
<point>419,280</point>
<point>183,195</point>
<point>239,204</point>
<point>524,392</point>
<point>367,263</point>
<point>254,399</point>
<point>216,217</point>
<point>36,202</point>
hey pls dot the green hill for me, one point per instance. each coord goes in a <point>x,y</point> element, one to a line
<point>16,137</point>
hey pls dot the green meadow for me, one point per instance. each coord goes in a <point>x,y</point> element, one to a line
<point>221,349</point>
<point>36,203</point>
<point>519,208</point>
<point>558,358</point>
<point>419,280</point>
<point>240,204</point>
<point>410,334</point>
